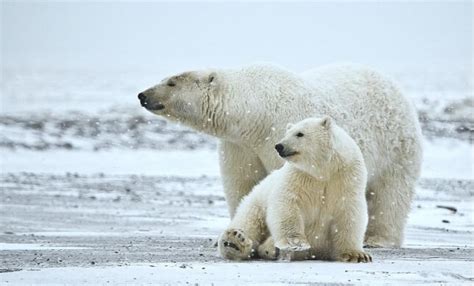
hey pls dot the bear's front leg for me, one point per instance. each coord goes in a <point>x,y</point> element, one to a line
<point>347,231</point>
<point>287,229</point>
<point>241,170</point>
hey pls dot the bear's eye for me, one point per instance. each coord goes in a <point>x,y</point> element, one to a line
<point>299,134</point>
<point>170,83</point>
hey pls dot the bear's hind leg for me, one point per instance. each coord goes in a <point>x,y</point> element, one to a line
<point>389,200</point>
<point>235,245</point>
<point>246,230</point>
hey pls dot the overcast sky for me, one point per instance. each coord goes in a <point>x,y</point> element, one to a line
<point>176,36</point>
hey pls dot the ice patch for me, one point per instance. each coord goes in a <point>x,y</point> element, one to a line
<point>443,158</point>
<point>117,162</point>
<point>447,158</point>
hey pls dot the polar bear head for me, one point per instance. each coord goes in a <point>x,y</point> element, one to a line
<point>187,98</point>
<point>225,103</point>
<point>308,145</point>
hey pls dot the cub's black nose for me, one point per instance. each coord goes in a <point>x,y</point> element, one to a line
<point>279,147</point>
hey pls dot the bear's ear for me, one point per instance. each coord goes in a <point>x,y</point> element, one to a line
<point>289,125</point>
<point>211,79</point>
<point>327,122</point>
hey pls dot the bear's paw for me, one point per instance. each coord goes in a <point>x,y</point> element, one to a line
<point>235,245</point>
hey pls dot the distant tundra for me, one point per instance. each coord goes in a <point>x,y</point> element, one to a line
<point>249,108</point>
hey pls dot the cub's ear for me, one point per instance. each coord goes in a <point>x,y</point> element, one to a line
<point>289,125</point>
<point>327,122</point>
<point>212,78</point>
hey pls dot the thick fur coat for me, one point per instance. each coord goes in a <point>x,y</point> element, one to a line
<point>249,108</point>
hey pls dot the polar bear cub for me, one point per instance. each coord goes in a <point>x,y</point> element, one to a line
<point>313,207</point>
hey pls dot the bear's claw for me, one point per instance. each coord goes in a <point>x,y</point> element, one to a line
<point>230,244</point>
<point>355,256</point>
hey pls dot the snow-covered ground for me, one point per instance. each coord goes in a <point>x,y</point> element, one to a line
<point>96,190</point>
<point>253,273</point>
<point>82,229</point>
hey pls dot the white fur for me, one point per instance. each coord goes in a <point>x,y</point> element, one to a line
<point>314,206</point>
<point>249,108</point>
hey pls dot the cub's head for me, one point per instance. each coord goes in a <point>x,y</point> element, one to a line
<point>308,145</point>
<point>186,98</point>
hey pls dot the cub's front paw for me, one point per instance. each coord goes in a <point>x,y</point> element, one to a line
<point>294,249</point>
<point>355,256</point>
<point>233,244</point>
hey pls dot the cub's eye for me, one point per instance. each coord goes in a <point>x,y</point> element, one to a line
<point>299,134</point>
<point>170,83</point>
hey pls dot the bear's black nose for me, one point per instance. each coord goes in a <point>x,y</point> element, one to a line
<point>279,147</point>
<point>142,98</point>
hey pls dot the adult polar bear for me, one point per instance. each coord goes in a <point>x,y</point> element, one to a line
<point>249,108</point>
